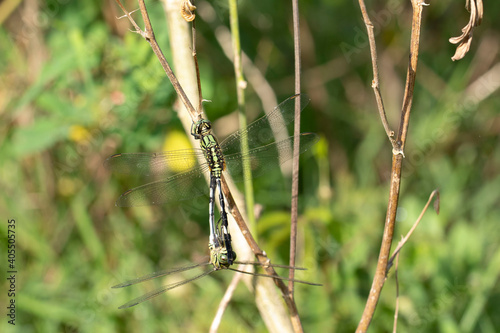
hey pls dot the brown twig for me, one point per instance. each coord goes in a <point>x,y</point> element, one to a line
<point>375,81</point>
<point>195,58</point>
<point>225,302</point>
<point>405,238</point>
<point>296,148</point>
<point>397,161</point>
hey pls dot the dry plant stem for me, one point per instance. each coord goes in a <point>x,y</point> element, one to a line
<point>261,256</point>
<point>411,73</point>
<point>375,82</point>
<point>148,35</point>
<point>296,147</point>
<point>225,302</point>
<point>397,161</point>
<point>405,239</point>
<point>195,58</point>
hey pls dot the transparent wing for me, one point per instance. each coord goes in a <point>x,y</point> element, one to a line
<point>179,187</point>
<point>154,275</point>
<point>275,277</point>
<point>161,290</point>
<point>261,131</point>
<point>154,164</point>
<point>265,158</point>
<point>257,263</point>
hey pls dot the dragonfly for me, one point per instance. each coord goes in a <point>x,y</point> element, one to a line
<point>220,157</point>
<point>219,261</point>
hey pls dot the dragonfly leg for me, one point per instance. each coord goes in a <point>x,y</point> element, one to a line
<point>213,233</point>
<point>225,226</point>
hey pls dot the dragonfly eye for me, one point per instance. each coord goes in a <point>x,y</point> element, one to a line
<point>223,258</point>
<point>201,128</point>
<point>205,126</point>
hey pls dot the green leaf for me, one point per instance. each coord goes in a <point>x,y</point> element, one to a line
<point>39,136</point>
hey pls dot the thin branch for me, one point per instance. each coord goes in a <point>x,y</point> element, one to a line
<point>296,148</point>
<point>405,238</point>
<point>191,18</point>
<point>375,82</point>
<point>397,161</point>
<point>225,302</point>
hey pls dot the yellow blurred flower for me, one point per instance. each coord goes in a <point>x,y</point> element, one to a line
<point>78,133</point>
<point>67,186</point>
<point>176,140</point>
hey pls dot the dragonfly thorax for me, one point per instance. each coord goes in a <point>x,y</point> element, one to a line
<point>202,130</point>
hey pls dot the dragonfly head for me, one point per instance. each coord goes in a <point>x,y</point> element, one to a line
<point>201,128</point>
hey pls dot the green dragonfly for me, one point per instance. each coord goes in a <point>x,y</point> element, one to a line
<point>263,154</point>
<point>218,260</point>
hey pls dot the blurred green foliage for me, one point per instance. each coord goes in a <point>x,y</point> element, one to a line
<point>78,86</point>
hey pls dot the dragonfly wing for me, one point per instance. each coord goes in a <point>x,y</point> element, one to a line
<point>264,129</point>
<point>154,164</point>
<point>258,263</point>
<point>275,277</point>
<point>265,158</point>
<point>179,187</point>
<point>161,290</point>
<point>154,275</point>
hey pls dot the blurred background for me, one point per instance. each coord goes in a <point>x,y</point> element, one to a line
<point>77,86</point>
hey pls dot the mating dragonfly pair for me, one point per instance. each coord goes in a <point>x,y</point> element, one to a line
<point>261,156</point>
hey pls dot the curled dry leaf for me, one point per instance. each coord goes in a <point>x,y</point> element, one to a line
<point>187,10</point>
<point>475,7</point>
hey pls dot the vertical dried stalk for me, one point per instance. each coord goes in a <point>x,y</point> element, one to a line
<point>397,161</point>
<point>224,303</point>
<point>375,82</point>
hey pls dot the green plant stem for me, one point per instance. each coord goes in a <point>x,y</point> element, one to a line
<point>240,91</point>
<point>296,147</point>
